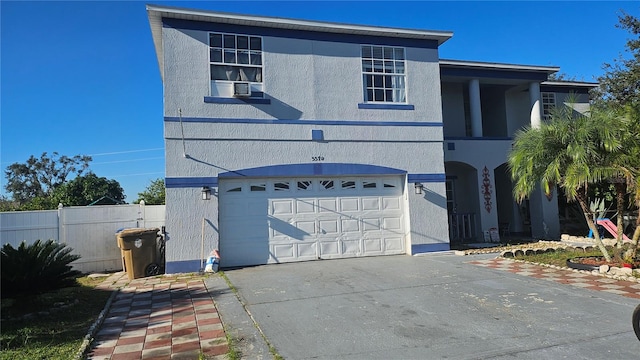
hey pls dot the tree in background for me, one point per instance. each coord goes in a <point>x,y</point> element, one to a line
<point>153,194</point>
<point>88,189</point>
<point>620,83</point>
<point>39,177</point>
<point>620,88</point>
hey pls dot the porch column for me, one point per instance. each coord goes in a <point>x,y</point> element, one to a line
<point>487,198</point>
<point>536,108</point>
<point>475,108</point>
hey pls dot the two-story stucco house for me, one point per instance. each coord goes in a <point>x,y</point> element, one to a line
<point>292,140</point>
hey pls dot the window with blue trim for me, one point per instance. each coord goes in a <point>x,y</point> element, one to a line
<point>383,74</point>
<point>235,59</point>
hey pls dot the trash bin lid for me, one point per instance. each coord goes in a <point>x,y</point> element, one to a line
<point>137,232</point>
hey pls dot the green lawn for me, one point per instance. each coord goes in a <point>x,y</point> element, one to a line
<point>57,335</point>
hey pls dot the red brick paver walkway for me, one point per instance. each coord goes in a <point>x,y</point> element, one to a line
<point>162,317</point>
<point>565,276</point>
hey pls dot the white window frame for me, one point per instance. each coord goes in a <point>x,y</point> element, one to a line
<point>223,87</point>
<point>384,74</point>
<point>548,100</point>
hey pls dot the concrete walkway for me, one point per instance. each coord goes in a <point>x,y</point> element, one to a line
<point>161,317</point>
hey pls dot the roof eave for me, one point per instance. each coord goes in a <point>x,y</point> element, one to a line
<point>498,66</point>
<point>571,83</point>
<point>157,13</point>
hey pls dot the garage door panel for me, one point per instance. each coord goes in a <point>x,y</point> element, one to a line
<point>390,203</point>
<point>329,249</point>
<point>370,204</point>
<point>307,227</point>
<point>370,224</point>
<point>350,225</point>
<point>283,252</point>
<point>285,220</point>
<point>305,206</point>
<point>349,204</point>
<point>328,226</point>
<point>327,206</point>
<point>394,245</point>
<point>372,246</point>
<point>392,223</point>
<point>281,207</point>
<point>351,247</point>
<point>308,250</point>
<point>283,229</point>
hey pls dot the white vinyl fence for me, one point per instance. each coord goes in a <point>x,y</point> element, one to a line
<point>89,230</point>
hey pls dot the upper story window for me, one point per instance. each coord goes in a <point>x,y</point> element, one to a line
<point>548,103</point>
<point>234,58</point>
<point>383,72</point>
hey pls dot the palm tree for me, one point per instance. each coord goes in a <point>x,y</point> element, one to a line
<point>569,151</point>
<point>631,162</point>
<point>617,158</point>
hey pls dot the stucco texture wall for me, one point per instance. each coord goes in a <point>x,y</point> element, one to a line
<point>308,82</point>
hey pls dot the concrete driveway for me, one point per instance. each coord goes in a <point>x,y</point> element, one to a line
<point>423,307</point>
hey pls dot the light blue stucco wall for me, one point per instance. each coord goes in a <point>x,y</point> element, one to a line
<point>309,83</point>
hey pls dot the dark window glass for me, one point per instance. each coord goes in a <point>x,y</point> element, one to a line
<point>377,66</point>
<point>243,57</point>
<point>230,41</point>
<point>388,53</point>
<point>281,186</point>
<point>215,55</point>
<point>377,52</point>
<point>377,81</point>
<point>388,95</point>
<point>347,184</point>
<point>215,40</point>
<point>258,188</point>
<point>256,43</point>
<point>243,42</point>
<point>230,56</point>
<point>399,52</point>
<point>366,51</point>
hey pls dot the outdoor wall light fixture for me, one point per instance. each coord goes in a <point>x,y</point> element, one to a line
<point>419,187</point>
<point>206,193</point>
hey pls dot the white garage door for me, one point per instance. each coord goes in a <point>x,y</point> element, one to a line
<point>283,220</point>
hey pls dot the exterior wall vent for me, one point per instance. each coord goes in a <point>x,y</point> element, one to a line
<point>241,89</point>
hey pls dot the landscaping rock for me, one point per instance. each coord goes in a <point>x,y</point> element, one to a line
<point>625,271</point>
<point>604,269</point>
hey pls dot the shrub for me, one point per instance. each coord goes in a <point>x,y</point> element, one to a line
<point>36,268</point>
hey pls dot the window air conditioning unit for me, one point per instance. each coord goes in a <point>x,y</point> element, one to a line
<point>241,89</point>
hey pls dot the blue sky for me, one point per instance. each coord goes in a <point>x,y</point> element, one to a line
<point>82,77</point>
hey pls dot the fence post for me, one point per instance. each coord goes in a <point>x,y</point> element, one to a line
<point>60,223</point>
<point>141,214</point>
